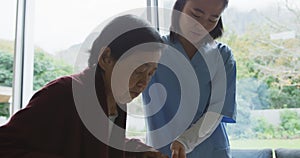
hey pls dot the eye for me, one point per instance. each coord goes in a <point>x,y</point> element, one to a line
<point>151,73</point>
<point>137,72</point>
<point>212,21</point>
<point>194,15</point>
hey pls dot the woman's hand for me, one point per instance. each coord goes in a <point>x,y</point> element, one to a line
<point>142,150</point>
<point>178,150</point>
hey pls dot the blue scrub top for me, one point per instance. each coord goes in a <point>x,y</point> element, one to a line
<point>165,102</point>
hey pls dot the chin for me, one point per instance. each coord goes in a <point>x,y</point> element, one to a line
<point>134,95</point>
<point>124,101</point>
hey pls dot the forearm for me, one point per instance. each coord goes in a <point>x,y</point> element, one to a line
<point>200,131</point>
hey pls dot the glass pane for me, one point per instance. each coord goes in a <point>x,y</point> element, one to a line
<point>59,34</point>
<point>7,35</point>
<point>266,45</point>
<point>165,11</point>
<point>264,37</point>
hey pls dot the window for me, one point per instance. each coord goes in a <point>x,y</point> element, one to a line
<point>54,33</point>
<point>60,29</point>
<point>265,42</point>
<point>7,42</point>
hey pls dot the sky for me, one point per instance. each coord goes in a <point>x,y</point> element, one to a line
<point>7,19</point>
<point>247,5</point>
<point>59,24</point>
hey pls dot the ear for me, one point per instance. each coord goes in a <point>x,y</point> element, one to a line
<point>105,60</point>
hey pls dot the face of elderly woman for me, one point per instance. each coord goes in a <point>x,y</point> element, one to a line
<point>130,75</point>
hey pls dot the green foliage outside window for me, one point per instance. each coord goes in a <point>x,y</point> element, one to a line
<point>267,71</point>
<point>46,69</point>
<point>6,69</point>
<point>4,109</point>
<point>260,128</point>
<point>290,124</point>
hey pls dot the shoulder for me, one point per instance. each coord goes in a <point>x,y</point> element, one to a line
<point>54,90</point>
<point>59,84</point>
<point>65,83</point>
<point>166,39</point>
<point>225,51</point>
<point>223,47</point>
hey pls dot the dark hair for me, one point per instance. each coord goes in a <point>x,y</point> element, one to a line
<point>123,33</point>
<point>178,6</point>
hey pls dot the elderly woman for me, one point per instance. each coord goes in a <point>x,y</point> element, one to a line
<point>80,116</point>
